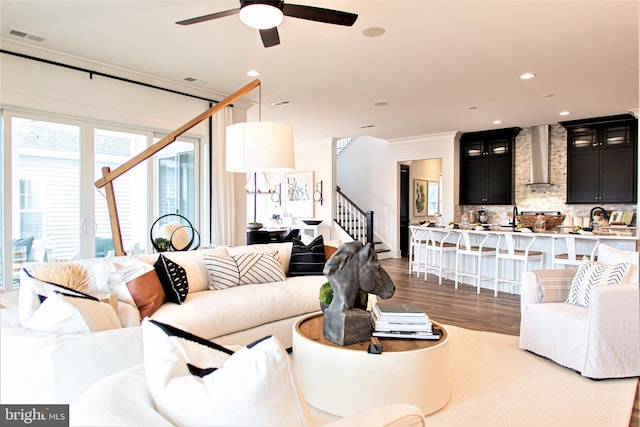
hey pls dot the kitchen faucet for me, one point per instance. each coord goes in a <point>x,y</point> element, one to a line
<point>593,210</point>
<point>513,217</point>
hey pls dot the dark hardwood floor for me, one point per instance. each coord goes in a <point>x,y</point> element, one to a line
<point>463,307</point>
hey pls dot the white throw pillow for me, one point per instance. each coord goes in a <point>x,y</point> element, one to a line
<point>592,274</point>
<point>253,386</point>
<point>609,255</point>
<point>48,307</point>
<point>112,275</point>
<point>243,269</point>
<point>283,249</point>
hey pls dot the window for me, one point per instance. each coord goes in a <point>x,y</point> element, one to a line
<point>177,180</point>
<point>31,214</point>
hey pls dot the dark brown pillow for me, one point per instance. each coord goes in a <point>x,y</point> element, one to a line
<point>147,293</point>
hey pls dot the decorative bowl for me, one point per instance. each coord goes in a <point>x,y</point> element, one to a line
<point>312,221</point>
<point>549,220</point>
<point>254,226</point>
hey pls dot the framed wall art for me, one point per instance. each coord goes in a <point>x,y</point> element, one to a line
<point>299,194</point>
<point>419,197</point>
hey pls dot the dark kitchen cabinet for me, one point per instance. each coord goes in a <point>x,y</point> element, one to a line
<point>602,160</point>
<point>486,160</point>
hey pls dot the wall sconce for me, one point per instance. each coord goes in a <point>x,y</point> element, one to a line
<point>317,195</point>
<point>276,195</point>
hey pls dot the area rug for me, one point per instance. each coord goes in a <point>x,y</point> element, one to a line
<point>495,383</point>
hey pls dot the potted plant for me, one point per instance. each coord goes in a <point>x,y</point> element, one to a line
<point>326,296</point>
<point>162,244</point>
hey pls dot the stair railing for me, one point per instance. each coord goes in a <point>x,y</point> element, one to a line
<point>343,143</point>
<point>355,221</point>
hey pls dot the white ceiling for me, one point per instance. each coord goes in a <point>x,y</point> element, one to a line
<point>435,61</point>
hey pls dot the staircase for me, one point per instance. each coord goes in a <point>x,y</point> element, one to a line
<point>356,222</point>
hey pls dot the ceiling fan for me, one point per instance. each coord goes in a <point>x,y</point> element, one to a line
<point>266,15</point>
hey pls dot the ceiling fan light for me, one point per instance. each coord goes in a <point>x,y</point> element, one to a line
<point>261,16</point>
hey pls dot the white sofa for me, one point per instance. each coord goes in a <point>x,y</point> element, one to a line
<point>242,314</point>
<point>601,340</point>
<point>66,364</point>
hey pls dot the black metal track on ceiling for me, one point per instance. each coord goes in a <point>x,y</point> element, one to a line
<point>101,74</point>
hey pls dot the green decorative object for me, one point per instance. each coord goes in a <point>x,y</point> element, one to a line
<point>326,296</point>
<point>162,244</point>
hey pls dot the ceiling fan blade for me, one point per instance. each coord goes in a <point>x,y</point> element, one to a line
<point>270,37</point>
<point>209,17</point>
<point>319,14</point>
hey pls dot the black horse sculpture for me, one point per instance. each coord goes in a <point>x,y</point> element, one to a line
<point>352,268</point>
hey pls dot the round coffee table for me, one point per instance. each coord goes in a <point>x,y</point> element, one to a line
<point>344,380</point>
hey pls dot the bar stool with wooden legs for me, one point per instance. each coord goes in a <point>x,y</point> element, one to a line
<point>467,246</point>
<point>417,248</point>
<point>571,256</point>
<point>439,243</point>
<point>508,249</point>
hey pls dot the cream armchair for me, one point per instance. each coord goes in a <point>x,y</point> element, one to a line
<point>601,341</point>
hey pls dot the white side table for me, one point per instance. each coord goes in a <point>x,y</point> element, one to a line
<point>344,380</point>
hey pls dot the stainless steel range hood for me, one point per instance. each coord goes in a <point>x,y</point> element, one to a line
<point>540,155</point>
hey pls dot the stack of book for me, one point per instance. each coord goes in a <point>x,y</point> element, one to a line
<point>401,320</point>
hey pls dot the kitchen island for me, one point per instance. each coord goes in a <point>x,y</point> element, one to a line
<point>551,243</point>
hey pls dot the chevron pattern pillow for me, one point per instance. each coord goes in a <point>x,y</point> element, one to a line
<point>592,274</point>
<point>243,269</point>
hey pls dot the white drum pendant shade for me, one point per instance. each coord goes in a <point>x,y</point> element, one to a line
<point>260,147</point>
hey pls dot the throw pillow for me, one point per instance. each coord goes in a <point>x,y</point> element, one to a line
<point>173,278</point>
<point>308,259</point>
<point>243,269</point>
<point>592,274</point>
<point>147,293</point>
<point>609,255</point>
<point>49,307</point>
<point>197,382</point>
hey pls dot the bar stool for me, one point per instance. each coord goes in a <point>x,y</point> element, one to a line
<point>417,248</point>
<point>465,247</point>
<point>439,243</point>
<point>515,253</point>
<point>571,257</point>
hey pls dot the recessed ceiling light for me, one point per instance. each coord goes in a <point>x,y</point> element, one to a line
<point>527,76</point>
<point>381,104</point>
<point>565,113</point>
<point>373,32</point>
<point>473,107</point>
<point>497,122</point>
<point>547,95</point>
<point>367,126</point>
<point>253,73</point>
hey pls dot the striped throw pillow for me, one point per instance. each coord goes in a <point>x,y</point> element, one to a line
<point>307,260</point>
<point>592,274</point>
<point>243,269</point>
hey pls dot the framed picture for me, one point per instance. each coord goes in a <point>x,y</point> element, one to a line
<point>299,194</point>
<point>419,197</point>
<point>433,197</point>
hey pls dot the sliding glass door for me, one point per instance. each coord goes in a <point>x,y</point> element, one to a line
<point>45,189</point>
<point>52,209</point>
<point>113,148</point>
